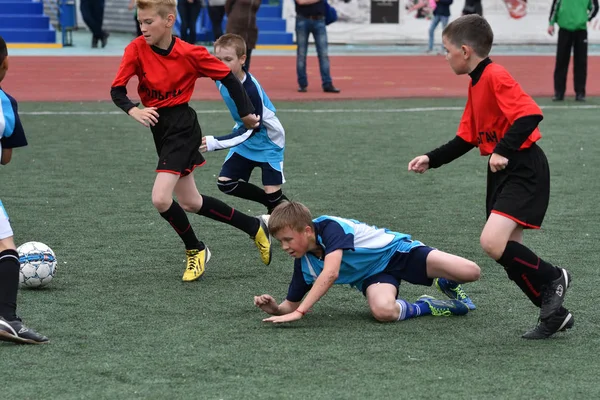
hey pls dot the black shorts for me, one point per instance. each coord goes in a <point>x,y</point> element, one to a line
<point>238,168</point>
<point>521,192</point>
<point>177,138</point>
<point>410,267</point>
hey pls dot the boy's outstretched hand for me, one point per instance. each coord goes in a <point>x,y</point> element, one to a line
<point>419,164</point>
<point>498,162</point>
<point>146,116</point>
<point>293,316</point>
<point>251,121</point>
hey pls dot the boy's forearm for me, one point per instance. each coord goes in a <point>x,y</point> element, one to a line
<point>324,281</point>
<point>285,308</point>
<point>238,95</point>
<point>448,152</point>
<point>517,134</point>
<point>119,97</point>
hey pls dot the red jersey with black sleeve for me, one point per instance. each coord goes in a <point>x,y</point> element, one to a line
<point>166,77</point>
<point>495,101</point>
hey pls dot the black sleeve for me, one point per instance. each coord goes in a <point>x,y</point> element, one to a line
<point>238,95</point>
<point>594,10</point>
<point>119,97</point>
<point>516,135</point>
<point>448,152</point>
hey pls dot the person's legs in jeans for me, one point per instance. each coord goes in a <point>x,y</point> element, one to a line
<point>302,31</point>
<point>444,21</point>
<point>434,23</point>
<point>319,31</point>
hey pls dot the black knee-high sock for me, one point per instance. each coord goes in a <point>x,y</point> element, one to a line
<point>9,284</point>
<point>528,285</point>
<point>243,190</point>
<point>179,221</point>
<point>219,211</point>
<point>520,258</point>
<point>274,199</point>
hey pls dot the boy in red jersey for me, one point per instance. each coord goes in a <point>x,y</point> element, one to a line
<point>502,120</point>
<point>167,69</point>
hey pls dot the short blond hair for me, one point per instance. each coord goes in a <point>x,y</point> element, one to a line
<point>290,214</point>
<point>162,7</point>
<point>232,40</point>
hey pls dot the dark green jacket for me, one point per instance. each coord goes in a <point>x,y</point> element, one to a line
<point>573,15</point>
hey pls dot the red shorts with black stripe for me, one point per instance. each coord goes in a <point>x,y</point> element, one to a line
<point>177,138</point>
<point>521,192</point>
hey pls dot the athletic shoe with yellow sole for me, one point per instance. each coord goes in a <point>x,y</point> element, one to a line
<point>454,291</point>
<point>262,239</point>
<point>444,308</point>
<point>196,263</point>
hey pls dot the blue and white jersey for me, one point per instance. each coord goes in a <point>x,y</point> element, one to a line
<point>367,250</point>
<point>11,129</point>
<point>263,144</point>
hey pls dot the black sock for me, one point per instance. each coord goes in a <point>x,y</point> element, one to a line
<point>9,284</point>
<point>219,211</point>
<point>274,199</point>
<point>179,221</point>
<point>528,285</point>
<point>243,190</point>
<point>520,258</point>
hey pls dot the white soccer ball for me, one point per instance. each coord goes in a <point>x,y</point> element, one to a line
<point>38,264</point>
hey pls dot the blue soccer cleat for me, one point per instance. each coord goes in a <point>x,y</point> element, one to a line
<point>444,308</point>
<point>454,291</point>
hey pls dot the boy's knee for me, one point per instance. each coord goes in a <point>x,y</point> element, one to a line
<point>385,312</point>
<point>161,203</point>
<point>492,246</point>
<point>472,272</point>
<point>226,186</point>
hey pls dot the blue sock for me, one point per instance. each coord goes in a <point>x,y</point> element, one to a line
<point>408,310</point>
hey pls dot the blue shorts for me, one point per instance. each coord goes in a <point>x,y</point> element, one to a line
<point>404,266</point>
<point>238,168</point>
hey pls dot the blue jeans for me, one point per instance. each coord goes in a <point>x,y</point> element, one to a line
<point>434,23</point>
<point>304,27</point>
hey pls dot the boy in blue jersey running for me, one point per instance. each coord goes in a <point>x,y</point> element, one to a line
<point>332,250</point>
<point>11,136</point>
<point>249,148</point>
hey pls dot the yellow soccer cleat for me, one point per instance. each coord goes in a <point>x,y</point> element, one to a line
<point>262,239</point>
<point>196,262</point>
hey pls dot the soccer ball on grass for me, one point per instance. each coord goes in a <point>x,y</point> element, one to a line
<point>38,264</point>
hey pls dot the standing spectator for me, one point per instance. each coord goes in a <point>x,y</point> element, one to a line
<point>216,12</point>
<point>572,17</point>
<point>188,10</point>
<point>310,18</point>
<point>92,12</point>
<point>440,14</point>
<point>472,7</point>
<point>241,20</point>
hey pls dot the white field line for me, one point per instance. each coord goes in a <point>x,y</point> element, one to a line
<point>321,110</point>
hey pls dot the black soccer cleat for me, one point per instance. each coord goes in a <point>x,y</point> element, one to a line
<point>16,332</point>
<point>548,327</point>
<point>553,294</point>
